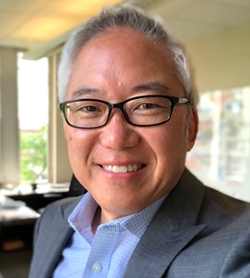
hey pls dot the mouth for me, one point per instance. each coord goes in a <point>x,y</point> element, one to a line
<point>123,168</point>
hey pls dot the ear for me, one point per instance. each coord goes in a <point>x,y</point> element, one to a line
<point>192,128</point>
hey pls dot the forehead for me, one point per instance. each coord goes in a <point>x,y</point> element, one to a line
<point>121,58</point>
<point>121,40</point>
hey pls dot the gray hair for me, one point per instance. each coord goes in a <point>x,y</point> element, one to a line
<point>135,19</point>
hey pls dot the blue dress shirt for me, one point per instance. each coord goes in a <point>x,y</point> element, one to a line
<point>105,254</point>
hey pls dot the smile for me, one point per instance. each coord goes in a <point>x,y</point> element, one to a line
<point>123,168</point>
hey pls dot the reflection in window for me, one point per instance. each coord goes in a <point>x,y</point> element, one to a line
<point>221,155</point>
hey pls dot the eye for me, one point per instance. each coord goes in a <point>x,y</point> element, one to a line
<point>145,106</point>
<point>88,108</point>
<point>149,106</point>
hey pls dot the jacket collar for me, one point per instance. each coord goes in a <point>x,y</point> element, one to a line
<point>172,228</point>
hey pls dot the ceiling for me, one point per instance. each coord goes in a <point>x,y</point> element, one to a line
<point>31,24</point>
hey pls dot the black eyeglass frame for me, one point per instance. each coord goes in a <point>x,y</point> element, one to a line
<point>174,101</point>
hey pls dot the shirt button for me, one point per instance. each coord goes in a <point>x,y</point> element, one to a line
<point>96,267</point>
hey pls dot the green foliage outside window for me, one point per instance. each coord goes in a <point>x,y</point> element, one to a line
<point>33,154</point>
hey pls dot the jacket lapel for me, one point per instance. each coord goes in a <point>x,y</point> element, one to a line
<point>50,247</point>
<point>172,228</point>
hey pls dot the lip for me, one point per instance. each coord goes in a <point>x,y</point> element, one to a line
<point>126,168</point>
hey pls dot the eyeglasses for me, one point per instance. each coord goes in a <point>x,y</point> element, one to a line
<point>148,110</point>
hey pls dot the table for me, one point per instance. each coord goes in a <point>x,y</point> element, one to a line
<point>21,206</point>
<point>40,197</point>
<point>16,220</point>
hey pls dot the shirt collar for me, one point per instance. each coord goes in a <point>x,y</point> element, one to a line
<point>82,217</point>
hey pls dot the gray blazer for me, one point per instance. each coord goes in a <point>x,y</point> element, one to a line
<point>198,232</point>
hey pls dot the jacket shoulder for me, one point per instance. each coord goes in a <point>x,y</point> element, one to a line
<point>225,203</point>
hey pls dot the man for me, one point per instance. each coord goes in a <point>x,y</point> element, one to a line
<point>129,103</point>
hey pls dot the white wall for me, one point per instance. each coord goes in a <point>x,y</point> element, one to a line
<point>222,61</point>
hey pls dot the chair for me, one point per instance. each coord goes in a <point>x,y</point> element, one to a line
<point>75,188</point>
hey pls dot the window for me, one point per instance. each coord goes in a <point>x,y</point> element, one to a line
<point>221,155</point>
<point>33,118</point>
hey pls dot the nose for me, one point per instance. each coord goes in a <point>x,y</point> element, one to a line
<point>118,134</point>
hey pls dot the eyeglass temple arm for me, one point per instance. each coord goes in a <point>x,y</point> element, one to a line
<point>183,100</point>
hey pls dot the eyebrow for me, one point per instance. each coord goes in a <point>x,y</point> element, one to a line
<point>151,86</point>
<point>83,91</point>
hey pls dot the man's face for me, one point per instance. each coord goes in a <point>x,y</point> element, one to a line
<point>110,67</point>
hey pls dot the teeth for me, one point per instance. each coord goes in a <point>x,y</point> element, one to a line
<point>123,168</point>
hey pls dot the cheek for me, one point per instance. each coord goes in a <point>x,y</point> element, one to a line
<point>79,144</point>
<point>75,136</point>
<point>171,144</point>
